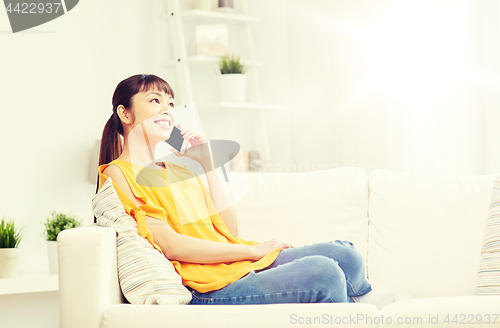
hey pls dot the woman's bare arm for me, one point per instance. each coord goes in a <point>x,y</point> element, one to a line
<point>219,192</point>
<point>189,249</point>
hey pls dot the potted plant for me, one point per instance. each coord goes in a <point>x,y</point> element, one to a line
<point>56,223</point>
<point>9,253</point>
<point>232,80</point>
<point>226,6</point>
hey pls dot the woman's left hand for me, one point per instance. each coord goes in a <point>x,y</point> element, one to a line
<point>199,150</point>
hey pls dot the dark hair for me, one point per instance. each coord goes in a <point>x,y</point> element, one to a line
<point>111,142</point>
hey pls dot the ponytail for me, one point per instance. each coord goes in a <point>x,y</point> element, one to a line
<point>111,143</point>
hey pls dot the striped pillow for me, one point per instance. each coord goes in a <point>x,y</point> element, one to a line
<point>145,275</point>
<point>488,280</point>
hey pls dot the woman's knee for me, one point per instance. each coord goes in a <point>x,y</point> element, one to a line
<point>323,273</point>
<point>349,251</point>
<point>338,249</point>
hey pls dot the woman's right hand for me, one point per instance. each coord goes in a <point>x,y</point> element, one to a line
<point>260,250</point>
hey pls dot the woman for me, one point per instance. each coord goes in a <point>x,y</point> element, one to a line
<point>215,265</point>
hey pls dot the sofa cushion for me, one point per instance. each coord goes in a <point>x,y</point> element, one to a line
<point>426,232</point>
<point>488,281</point>
<point>145,275</point>
<point>306,207</point>
<point>242,316</point>
<point>450,311</point>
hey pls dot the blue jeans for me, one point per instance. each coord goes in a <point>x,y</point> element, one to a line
<point>322,272</point>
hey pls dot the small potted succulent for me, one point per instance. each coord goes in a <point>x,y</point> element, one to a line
<point>56,223</point>
<point>10,236</point>
<point>232,80</point>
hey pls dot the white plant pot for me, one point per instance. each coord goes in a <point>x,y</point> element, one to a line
<point>203,4</point>
<point>225,5</point>
<point>9,259</point>
<point>52,252</point>
<point>232,87</point>
<point>226,9</point>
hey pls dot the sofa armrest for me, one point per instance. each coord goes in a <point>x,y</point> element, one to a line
<point>88,276</point>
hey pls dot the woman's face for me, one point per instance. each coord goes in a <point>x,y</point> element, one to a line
<point>154,112</point>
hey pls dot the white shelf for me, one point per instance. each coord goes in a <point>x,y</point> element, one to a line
<point>204,60</point>
<point>29,283</point>
<point>241,106</point>
<point>205,16</point>
<point>178,21</point>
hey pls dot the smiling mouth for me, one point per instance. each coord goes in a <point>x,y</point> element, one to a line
<point>163,123</point>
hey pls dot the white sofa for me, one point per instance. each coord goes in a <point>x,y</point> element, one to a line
<point>419,234</point>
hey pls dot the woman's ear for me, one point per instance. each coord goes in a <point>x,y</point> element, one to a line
<point>124,115</point>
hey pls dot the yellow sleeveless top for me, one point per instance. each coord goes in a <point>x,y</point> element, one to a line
<point>194,200</point>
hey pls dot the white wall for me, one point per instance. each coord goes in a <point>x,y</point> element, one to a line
<point>56,84</point>
<point>271,41</point>
<point>387,84</point>
<point>489,13</point>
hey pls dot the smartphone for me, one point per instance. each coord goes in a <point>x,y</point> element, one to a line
<point>177,141</point>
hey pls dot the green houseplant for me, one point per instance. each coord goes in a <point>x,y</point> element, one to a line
<point>54,224</point>
<point>10,237</point>
<point>232,80</point>
<point>231,65</point>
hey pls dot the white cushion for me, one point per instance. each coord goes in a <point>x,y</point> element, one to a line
<point>146,276</point>
<point>240,316</point>
<point>488,281</point>
<point>306,208</point>
<point>426,232</point>
<point>451,311</point>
